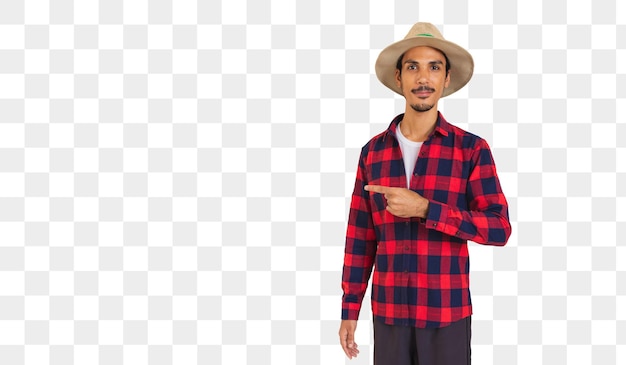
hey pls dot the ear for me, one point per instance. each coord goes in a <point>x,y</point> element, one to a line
<point>447,82</point>
<point>398,79</point>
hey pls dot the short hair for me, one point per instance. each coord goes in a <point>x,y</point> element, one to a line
<point>399,63</point>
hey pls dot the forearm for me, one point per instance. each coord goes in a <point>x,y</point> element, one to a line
<point>357,269</point>
<point>489,227</point>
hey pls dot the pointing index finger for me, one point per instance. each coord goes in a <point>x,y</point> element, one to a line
<point>377,189</point>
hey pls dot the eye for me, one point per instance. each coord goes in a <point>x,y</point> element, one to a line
<point>411,67</point>
<point>435,67</point>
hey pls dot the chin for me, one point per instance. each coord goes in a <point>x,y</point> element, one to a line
<point>422,107</point>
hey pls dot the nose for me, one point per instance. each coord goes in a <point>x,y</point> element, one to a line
<point>422,76</point>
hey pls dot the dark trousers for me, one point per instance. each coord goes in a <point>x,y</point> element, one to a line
<point>400,345</point>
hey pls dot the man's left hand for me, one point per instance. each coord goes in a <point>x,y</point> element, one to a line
<point>401,202</point>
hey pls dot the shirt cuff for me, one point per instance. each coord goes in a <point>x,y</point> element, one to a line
<point>439,219</point>
<point>434,214</point>
<point>350,308</point>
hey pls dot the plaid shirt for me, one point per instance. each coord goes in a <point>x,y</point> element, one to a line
<point>421,275</point>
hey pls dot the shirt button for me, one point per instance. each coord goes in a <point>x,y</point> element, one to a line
<point>434,224</point>
<point>406,248</point>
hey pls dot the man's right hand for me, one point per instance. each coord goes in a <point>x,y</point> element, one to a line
<point>346,338</point>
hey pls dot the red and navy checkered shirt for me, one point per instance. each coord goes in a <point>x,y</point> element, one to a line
<point>421,265</point>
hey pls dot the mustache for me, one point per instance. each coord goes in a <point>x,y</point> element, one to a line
<point>423,88</point>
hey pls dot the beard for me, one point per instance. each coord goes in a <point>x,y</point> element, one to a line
<point>422,107</point>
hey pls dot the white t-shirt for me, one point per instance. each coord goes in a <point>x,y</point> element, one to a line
<point>409,150</point>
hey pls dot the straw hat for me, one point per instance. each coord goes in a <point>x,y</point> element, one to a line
<point>425,34</point>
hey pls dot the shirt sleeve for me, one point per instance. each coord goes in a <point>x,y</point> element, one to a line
<point>487,219</point>
<point>360,249</point>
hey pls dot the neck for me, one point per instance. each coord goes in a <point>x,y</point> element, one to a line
<point>417,126</point>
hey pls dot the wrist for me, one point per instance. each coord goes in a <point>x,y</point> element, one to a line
<point>422,208</point>
<point>425,205</point>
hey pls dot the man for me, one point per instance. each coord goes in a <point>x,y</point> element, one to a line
<point>423,189</point>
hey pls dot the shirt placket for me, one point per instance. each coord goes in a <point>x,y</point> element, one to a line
<point>420,167</point>
<point>405,252</point>
<point>417,186</point>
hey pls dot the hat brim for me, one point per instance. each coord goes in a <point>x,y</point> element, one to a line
<point>461,62</point>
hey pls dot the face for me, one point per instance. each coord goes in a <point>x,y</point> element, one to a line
<point>423,77</point>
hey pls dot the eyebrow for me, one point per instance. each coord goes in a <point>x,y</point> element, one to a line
<point>430,62</point>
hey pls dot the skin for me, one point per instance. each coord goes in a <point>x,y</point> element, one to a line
<point>423,79</point>
<point>346,337</point>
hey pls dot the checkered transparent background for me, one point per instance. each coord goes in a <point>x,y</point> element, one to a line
<point>174,176</point>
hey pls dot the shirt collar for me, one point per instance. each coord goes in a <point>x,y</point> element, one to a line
<point>442,127</point>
